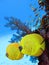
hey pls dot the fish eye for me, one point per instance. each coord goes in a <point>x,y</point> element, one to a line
<point>7,54</point>
<point>20,48</point>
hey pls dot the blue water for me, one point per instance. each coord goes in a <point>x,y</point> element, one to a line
<point>19,9</point>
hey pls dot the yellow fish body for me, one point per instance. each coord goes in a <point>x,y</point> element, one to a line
<point>32,44</point>
<point>13,52</point>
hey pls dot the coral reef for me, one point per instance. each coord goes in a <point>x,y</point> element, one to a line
<point>43,30</point>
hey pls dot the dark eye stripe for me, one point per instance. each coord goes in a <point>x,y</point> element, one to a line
<point>7,54</point>
<point>20,48</point>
